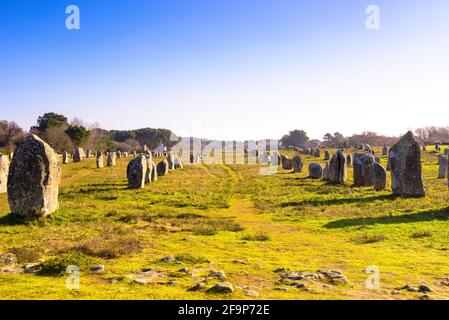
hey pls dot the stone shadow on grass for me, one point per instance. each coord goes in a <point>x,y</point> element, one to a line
<point>328,202</point>
<point>431,215</point>
<point>12,220</point>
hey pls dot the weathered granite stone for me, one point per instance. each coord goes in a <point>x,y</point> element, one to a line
<point>385,151</point>
<point>162,168</point>
<point>287,164</point>
<point>326,171</point>
<point>153,172</point>
<point>363,169</point>
<point>406,171</point>
<point>136,172</point>
<point>171,162</point>
<point>379,177</point>
<point>99,159</point>
<point>149,171</point>
<point>315,171</point>
<point>111,159</point>
<point>178,163</point>
<point>297,163</point>
<point>78,155</point>
<point>65,158</point>
<point>442,166</point>
<point>4,169</point>
<point>33,180</point>
<point>327,155</point>
<point>337,167</point>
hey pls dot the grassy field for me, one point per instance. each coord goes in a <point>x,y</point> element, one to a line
<point>228,218</point>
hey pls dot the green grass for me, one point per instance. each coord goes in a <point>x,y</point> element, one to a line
<point>228,218</point>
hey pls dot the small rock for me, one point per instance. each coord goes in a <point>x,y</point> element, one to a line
<point>302,287</point>
<point>99,268</point>
<point>425,297</point>
<point>236,261</point>
<point>252,293</point>
<point>7,258</point>
<point>218,274</point>
<point>183,270</point>
<point>408,288</point>
<point>394,292</point>
<point>33,267</point>
<point>222,287</point>
<point>197,287</point>
<point>142,282</point>
<point>280,289</point>
<point>168,259</point>
<point>147,269</point>
<point>424,288</point>
<point>280,270</point>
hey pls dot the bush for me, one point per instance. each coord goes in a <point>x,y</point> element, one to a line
<point>261,236</point>
<point>57,266</point>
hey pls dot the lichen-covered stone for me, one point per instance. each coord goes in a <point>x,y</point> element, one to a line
<point>33,181</point>
<point>379,177</point>
<point>162,168</point>
<point>315,171</point>
<point>4,169</point>
<point>136,172</point>
<point>406,171</point>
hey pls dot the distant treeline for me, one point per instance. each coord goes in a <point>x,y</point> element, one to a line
<point>62,135</point>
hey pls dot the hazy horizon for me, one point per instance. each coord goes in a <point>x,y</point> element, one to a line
<point>231,70</point>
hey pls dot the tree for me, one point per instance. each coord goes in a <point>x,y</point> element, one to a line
<point>78,134</point>
<point>58,139</point>
<point>50,120</point>
<point>10,132</point>
<point>295,138</point>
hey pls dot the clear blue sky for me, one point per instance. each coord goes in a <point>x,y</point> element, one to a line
<point>229,69</point>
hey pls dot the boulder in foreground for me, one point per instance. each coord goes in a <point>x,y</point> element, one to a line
<point>33,181</point>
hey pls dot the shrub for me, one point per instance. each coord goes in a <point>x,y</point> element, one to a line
<point>57,266</point>
<point>261,236</point>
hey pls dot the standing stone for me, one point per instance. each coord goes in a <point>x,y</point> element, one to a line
<point>349,160</point>
<point>162,168</point>
<point>78,155</point>
<point>4,169</point>
<point>406,171</point>
<point>287,164</point>
<point>275,159</point>
<point>33,181</point>
<point>337,167</point>
<point>379,177</point>
<point>317,152</point>
<point>149,172</point>
<point>315,171</point>
<point>178,164</point>
<point>446,152</point>
<point>136,172</point>
<point>442,169</point>
<point>385,151</point>
<point>99,159</point>
<point>297,164</point>
<point>111,159</point>
<point>65,158</point>
<point>326,171</point>
<point>363,169</point>
<point>11,155</point>
<point>171,162</point>
<point>119,154</point>
<point>327,155</point>
<point>153,172</point>
<point>88,153</point>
